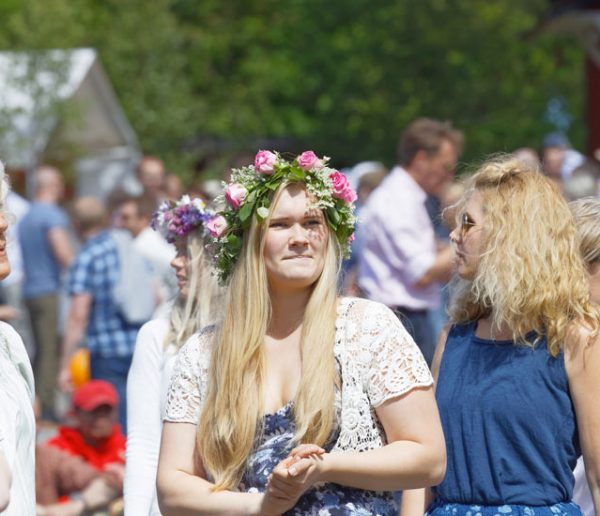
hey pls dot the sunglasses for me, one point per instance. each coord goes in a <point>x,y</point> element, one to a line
<point>466,223</point>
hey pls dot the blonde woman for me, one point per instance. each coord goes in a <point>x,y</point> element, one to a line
<point>17,423</point>
<point>299,402</point>
<point>182,224</point>
<point>518,383</point>
<point>587,219</point>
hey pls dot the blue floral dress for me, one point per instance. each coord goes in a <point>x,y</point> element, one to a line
<point>321,500</point>
<point>377,360</point>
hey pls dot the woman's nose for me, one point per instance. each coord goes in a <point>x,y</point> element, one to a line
<point>177,262</point>
<point>454,235</point>
<point>298,234</point>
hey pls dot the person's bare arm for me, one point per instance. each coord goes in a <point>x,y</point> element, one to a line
<point>77,320</point>
<point>415,501</point>
<point>440,271</point>
<point>183,489</point>
<point>582,362</point>
<point>59,241</point>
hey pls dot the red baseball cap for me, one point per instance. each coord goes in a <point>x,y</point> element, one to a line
<point>93,394</point>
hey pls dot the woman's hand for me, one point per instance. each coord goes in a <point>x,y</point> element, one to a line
<point>294,475</point>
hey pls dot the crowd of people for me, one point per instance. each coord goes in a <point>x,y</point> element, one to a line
<point>273,350</point>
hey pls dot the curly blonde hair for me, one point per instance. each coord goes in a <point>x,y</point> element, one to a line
<point>531,275</point>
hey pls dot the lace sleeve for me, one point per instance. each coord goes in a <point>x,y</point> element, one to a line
<point>184,399</point>
<point>397,365</point>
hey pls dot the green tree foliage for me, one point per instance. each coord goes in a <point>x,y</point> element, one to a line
<point>343,76</point>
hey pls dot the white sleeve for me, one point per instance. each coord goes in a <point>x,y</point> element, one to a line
<point>397,364</point>
<point>144,419</point>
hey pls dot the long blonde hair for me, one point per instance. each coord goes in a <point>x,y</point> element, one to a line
<point>531,275</point>
<point>233,410</point>
<point>200,307</point>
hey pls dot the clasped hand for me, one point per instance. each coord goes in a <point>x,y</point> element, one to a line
<point>301,469</point>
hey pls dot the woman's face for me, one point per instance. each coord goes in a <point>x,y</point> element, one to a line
<point>295,241</point>
<point>468,237</point>
<point>180,264</point>
<point>4,264</point>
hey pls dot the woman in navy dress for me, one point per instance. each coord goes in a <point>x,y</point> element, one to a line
<point>518,383</point>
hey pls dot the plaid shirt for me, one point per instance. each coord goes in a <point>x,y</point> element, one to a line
<point>95,271</point>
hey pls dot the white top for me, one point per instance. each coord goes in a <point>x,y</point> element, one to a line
<point>377,360</point>
<point>17,422</point>
<point>147,386</point>
<point>398,244</point>
<point>581,492</point>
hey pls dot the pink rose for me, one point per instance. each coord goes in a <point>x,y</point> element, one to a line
<point>265,161</point>
<point>235,194</point>
<point>216,226</point>
<point>341,187</point>
<point>309,160</point>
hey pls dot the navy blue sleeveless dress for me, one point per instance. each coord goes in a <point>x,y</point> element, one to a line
<point>510,429</point>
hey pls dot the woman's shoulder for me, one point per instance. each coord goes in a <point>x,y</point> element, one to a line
<point>155,327</point>
<point>200,343</point>
<point>580,336</point>
<point>16,348</point>
<point>153,331</point>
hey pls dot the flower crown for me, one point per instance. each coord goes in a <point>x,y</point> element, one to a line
<point>177,219</point>
<point>251,190</point>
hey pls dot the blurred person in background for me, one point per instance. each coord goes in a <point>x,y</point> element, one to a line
<point>95,313</point>
<point>528,156</point>
<point>66,485</point>
<point>134,214</point>
<point>47,253</point>
<point>583,182</point>
<point>559,159</point>
<point>151,176</point>
<point>401,264</point>
<point>95,435</point>
<point>367,176</point>
<point>158,343</point>
<point>524,340</point>
<point>587,220</point>
<point>17,422</point>
<point>174,187</point>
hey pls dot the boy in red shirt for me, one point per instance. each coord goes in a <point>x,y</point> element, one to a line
<point>96,437</point>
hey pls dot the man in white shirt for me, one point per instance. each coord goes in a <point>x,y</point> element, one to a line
<point>401,264</point>
<point>135,214</point>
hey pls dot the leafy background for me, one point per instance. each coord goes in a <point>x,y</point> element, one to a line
<point>342,77</point>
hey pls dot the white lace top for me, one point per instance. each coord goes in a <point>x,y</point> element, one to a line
<point>377,358</point>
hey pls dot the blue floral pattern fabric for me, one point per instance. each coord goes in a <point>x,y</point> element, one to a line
<point>441,508</point>
<point>321,500</point>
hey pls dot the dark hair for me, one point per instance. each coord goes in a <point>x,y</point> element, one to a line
<point>145,204</point>
<point>427,134</point>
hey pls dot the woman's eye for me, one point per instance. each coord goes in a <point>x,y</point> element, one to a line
<point>313,222</point>
<point>276,225</point>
